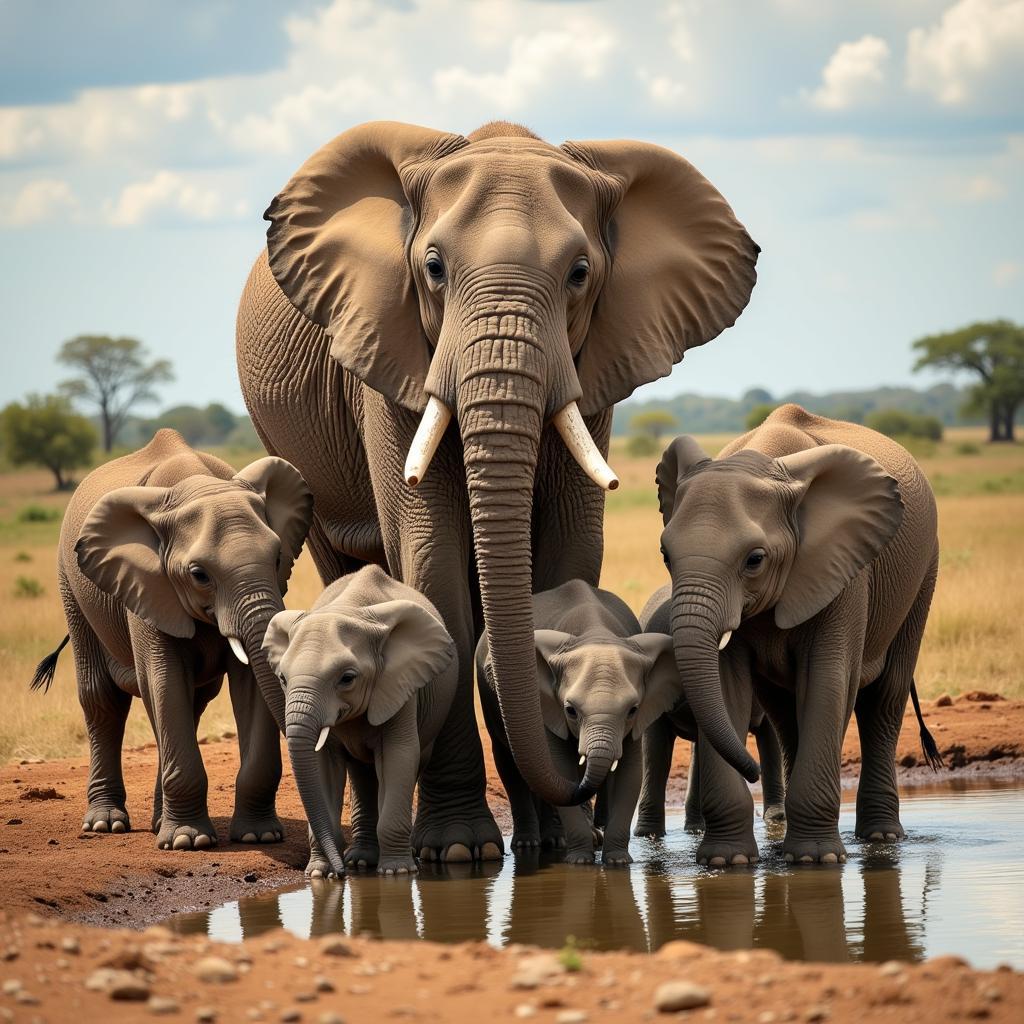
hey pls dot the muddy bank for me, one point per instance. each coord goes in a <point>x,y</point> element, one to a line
<point>48,866</point>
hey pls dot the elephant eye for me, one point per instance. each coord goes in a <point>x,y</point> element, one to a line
<point>633,710</point>
<point>199,574</point>
<point>347,677</point>
<point>434,266</point>
<point>579,273</point>
<point>664,556</point>
<point>754,561</point>
<point>570,711</point>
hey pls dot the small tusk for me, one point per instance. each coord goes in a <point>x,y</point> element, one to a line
<point>322,738</point>
<point>569,423</point>
<point>238,650</point>
<point>583,758</point>
<point>726,637</point>
<point>428,436</point>
<point>615,764</point>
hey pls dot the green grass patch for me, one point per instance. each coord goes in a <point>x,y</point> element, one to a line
<point>28,587</point>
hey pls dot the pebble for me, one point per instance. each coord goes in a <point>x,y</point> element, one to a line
<point>335,946</point>
<point>680,995</point>
<point>118,984</point>
<point>534,971</point>
<point>323,984</point>
<point>330,1017</point>
<point>891,967</point>
<point>25,998</point>
<point>254,1014</point>
<point>945,701</point>
<point>524,1010</point>
<point>290,1016</point>
<point>305,997</point>
<point>160,1005</point>
<point>571,1017</point>
<point>206,1014</point>
<point>817,1013</point>
<point>11,985</point>
<point>70,944</point>
<point>215,970</point>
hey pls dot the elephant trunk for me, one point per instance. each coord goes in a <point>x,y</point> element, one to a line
<point>601,745</point>
<point>698,618</point>
<point>304,721</point>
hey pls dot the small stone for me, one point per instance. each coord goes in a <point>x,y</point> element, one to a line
<point>301,961</point>
<point>817,1013</point>
<point>305,997</point>
<point>118,984</point>
<point>25,998</point>
<point>334,945</point>
<point>11,985</point>
<point>945,701</point>
<point>524,1010</point>
<point>323,984</point>
<point>570,1017</point>
<point>330,1017</point>
<point>160,1005</point>
<point>70,944</point>
<point>290,1016</point>
<point>680,995</point>
<point>254,1014</point>
<point>206,1014</point>
<point>679,949</point>
<point>766,1018</point>
<point>360,990</point>
<point>891,967</point>
<point>991,994</point>
<point>215,970</point>
<point>534,971</point>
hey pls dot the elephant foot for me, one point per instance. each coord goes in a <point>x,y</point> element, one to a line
<point>526,841</point>
<point>616,858</point>
<point>650,825</point>
<point>880,831</point>
<point>693,824</point>
<point>197,834</point>
<point>362,855</point>
<point>106,818</point>
<point>799,849</point>
<point>256,828</point>
<point>721,853</point>
<point>319,868</point>
<point>579,857</point>
<point>456,838</point>
<point>397,866</point>
<point>774,812</point>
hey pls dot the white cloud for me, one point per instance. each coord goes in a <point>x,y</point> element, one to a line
<point>39,201</point>
<point>168,196</point>
<point>1007,272</point>
<point>854,75</point>
<point>974,43</point>
<point>983,188</point>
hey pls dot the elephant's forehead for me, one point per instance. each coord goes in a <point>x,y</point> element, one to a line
<point>218,507</point>
<point>591,656</point>
<point>731,498</point>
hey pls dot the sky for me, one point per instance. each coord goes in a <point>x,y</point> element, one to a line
<point>874,150</point>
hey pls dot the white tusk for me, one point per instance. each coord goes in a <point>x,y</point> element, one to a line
<point>615,764</point>
<point>428,436</point>
<point>322,738</point>
<point>583,758</point>
<point>726,637</point>
<point>238,650</point>
<point>569,423</point>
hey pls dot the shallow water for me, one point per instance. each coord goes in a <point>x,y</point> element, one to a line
<point>955,886</point>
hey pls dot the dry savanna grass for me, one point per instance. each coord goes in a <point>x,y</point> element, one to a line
<point>975,635</point>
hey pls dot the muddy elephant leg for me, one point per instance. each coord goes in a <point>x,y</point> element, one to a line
<point>769,754</point>
<point>657,743</point>
<point>623,792</point>
<point>694,818</point>
<point>725,801</point>
<point>255,818</point>
<point>577,825</point>
<point>333,773</point>
<point>363,850</point>
<point>106,710</point>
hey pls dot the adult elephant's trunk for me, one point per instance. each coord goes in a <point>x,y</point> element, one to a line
<point>304,722</point>
<point>601,746</point>
<point>698,629</point>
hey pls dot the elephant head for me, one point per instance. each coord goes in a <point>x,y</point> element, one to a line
<point>205,549</point>
<point>337,663</point>
<point>749,534</point>
<point>511,284</point>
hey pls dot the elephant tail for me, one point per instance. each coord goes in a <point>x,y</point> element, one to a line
<point>48,666</point>
<point>932,754</point>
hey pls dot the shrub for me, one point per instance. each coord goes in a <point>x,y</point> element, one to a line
<point>639,445</point>
<point>898,424</point>
<point>26,586</point>
<point>23,556</point>
<point>967,448</point>
<point>38,514</point>
<point>759,414</point>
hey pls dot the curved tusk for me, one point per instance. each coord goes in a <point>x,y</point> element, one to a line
<point>428,436</point>
<point>569,423</point>
<point>583,758</point>
<point>238,650</point>
<point>726,637</point>
<point>322,738</point>
<point>615,764</point>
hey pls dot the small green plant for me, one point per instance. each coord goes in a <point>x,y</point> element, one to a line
<point>27,586</point>
<point>569,955</point>
<point>967,448</point>
<point>640,445</point>
<point>38,514</point>
<point>23,556</point>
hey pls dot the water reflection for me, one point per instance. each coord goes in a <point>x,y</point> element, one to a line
<point>936,893</point>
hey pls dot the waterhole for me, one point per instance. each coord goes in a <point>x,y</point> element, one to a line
<point>955,886</point>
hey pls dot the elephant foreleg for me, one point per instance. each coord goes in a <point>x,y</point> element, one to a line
<point>333,773</point>
<point>363,850</point>
<point>397,759</point>
<point>769,754</point>
<point>623,792</point>
<point>657,745</point>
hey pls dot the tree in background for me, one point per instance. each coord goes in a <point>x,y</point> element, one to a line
<point>899,424</point>
<point>759,414</point>
<point>653,424</point>
<point>994,350</point>
<point>116,376</point>
<point>46,431</point>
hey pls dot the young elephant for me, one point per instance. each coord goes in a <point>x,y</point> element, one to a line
<point>660,738</point>
<point>169,561</point>
<point>602,682</point>
<point>370,671</point>
<point>814,542</point>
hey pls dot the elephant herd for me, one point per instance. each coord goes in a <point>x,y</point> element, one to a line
<point>430,347</point>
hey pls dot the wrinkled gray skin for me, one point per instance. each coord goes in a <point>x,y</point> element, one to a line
<point>602,681</point>
<point>372,662</point>
<point>164,554</point>
<point>660,738</point>
<point>504,277</point>
<point>813,541</point>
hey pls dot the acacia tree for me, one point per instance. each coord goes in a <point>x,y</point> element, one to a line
<point>653,424</point>
<point>992,350</point>
<point>46,431</point>
<point>116,376</point>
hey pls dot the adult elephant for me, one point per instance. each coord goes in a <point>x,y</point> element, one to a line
<point>413,277</point>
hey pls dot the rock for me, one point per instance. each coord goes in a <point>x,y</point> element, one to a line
<point>206,1014</point>
<point>334,945</point>
<point>680,995</point>
<point>305,997</point>
<point>290,1016</point>
<point>891,967</point>
<point>570,1017</point>
<point>70,944</point>
<point>982,697</point>
<point>11,986</point>
<point>524,1010</point>
<point>945,701</point>
<point>250,876</point>
<point>323,984</point>
<point>25,998</point>
<point>681,950</point>
<point>330,1017</point>
<point>215,970</point>
<point>817,1013</point>
<point>534,971</point>
<point>160,1005</point>
<point>118,984</point>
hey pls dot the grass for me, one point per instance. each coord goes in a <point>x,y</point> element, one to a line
<point>974,640</point>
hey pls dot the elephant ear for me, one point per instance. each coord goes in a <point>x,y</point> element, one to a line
<point>662,684</point>
<point>416,649</point>
<point>119,549</point>
<point>289,504</point>
<point>547,643</point>
<point>682,269</point>
<point>682,455</point>
<point>848,509</point>
<point>278,636</point>
<point>337,247</point>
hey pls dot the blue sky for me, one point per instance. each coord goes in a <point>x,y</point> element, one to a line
<point>874,150</point>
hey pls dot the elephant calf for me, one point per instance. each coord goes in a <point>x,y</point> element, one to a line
<point>169,561</point>
<point>660,738</point>
<point>602,682</point>
<point>370,672</point>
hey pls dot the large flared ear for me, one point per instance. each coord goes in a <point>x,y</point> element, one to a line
<point>289,505</point>
<point>662,684</point>
<point>278,636</point>
<point>416,649</point>
<point>848,509</point>
<point>547,643</point>
<point>682,269</point>
<point>337,246</point>
<point>681,455</point>
<point>119,549</point>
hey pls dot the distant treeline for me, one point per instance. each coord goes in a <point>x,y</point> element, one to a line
<point>208,427</point>
<point>702,414</point>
